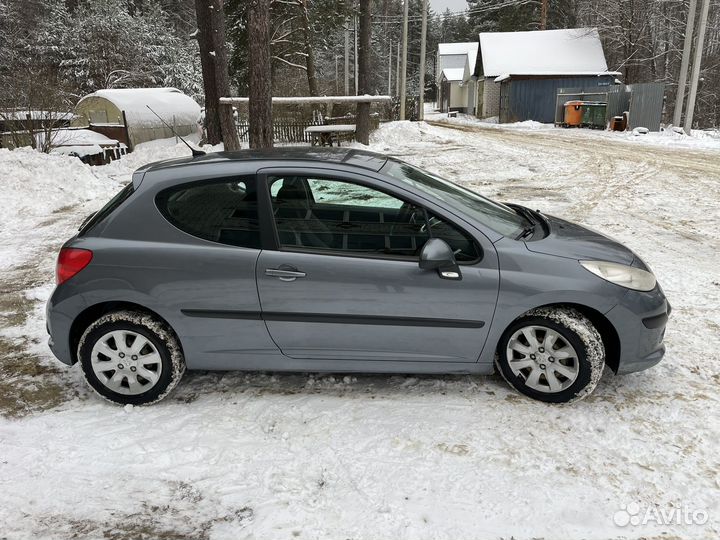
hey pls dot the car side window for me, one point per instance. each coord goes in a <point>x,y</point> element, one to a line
<point>462,244</point>
<point>347,193</point>
<point>223,211</point>
<point>350,218</point>
<point>345,217</point>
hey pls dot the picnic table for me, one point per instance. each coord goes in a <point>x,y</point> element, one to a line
<point>326,135</point>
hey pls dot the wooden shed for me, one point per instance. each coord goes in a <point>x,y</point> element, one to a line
<point>89,146</point>
<point>123,114</point>
<point>519,73</point>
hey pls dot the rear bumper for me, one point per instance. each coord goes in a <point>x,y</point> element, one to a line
<point>640,321</point>
<point>58,324</point>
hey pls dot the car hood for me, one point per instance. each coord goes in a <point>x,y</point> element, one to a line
<point>567,239</point>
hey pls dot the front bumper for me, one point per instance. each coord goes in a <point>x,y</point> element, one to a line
<point>640,321</point>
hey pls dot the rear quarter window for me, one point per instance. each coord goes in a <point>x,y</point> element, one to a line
<point>223,211</point>
<point>106,210</point>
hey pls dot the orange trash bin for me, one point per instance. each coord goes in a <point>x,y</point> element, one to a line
<point>573,113</point>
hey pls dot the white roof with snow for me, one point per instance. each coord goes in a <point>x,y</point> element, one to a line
<point>454,56</point>
<point>80,137</point>
<point>80,142</point>
<point>20,114</point>
<point>457,48</point>
<point>453,74</point>
<point>166,102</point>
<point>573,51</point>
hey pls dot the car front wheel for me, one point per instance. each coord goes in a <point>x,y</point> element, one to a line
<point>552,354</point>
<point>130,357</point>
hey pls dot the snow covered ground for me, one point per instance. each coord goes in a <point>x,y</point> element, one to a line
<point>235,455</point>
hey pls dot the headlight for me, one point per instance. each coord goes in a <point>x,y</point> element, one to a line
<point>623,275</point>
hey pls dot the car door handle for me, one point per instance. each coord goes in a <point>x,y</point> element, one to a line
<point>284,274</point>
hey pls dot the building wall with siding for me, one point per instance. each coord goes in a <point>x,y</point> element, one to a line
<point>453,97</point>
<point>471,93</point>
<point>535,98</point>
<point>458,96</point>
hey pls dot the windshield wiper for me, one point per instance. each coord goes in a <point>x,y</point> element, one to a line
<point>531,219</point>
<point>527,231</point>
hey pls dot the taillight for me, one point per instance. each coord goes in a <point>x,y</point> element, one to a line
<point>70,262</point>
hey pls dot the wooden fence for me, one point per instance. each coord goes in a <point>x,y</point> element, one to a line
<point>291,130</point>
<point>285,131</point>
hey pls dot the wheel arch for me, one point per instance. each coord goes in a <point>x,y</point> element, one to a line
<point>94,312</point>
<point>610,338</point>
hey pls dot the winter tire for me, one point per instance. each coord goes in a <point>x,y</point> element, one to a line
<point>552,354</point>
<point>131,358</point>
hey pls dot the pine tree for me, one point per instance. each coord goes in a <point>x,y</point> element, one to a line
<point>260,108</point>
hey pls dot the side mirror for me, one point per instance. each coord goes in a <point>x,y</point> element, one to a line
<point>437,255</point>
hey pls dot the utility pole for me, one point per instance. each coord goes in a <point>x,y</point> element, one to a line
<point>687,48</point>
<point>397,71</point>
<point>362,113</point>
<point>390,69</point>
<point>694,79</point>
<point>403,69</point>
<point>337,82</point>
<point>347,58</point>
<point>543,14</point>
<point>423,40</point>
<point>355,73</point>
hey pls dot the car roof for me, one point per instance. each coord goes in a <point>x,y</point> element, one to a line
<point>347,156</point>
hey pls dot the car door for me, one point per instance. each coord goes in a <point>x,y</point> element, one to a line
<point>202,269</point>
<point>344,282</point>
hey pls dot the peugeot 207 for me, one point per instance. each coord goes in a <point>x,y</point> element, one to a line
<point>342,260</point>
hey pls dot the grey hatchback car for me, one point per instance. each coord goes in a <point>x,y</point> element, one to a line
<point>342,260</point>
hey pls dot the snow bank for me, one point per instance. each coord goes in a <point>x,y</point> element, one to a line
<point>37,188</point>
<point>35,185</point>
<point>700,139</point>
<point>396,133</point>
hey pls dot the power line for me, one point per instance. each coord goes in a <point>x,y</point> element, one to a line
<point>453,14</point>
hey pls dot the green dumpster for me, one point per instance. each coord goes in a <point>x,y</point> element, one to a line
<point>594,114</point>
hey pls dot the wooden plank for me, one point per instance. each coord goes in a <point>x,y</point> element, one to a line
<point>311,99</point>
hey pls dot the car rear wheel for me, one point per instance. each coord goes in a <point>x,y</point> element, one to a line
<point>130,357</point>
<point>552,354</point>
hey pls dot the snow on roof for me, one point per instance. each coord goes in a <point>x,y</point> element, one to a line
<point>80,137</point>
<point>20,114</point>
<point>166,102</point>
<point>457,56</point>
<point>470,65</point>
<point>73,138</point>
<point>80,150</point>
<point>457,48</point>
<point>453,74</point>
<point>506,76</point>
<point>574,51</point>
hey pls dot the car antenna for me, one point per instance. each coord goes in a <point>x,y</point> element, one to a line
<point>196,152</point>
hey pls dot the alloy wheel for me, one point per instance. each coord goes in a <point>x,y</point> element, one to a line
<point>543,358</point>
<point>126,362</point>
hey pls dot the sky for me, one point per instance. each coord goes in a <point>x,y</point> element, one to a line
<point>455,5</point>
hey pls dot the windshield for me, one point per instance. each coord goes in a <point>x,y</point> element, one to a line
<point>500,218</point>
